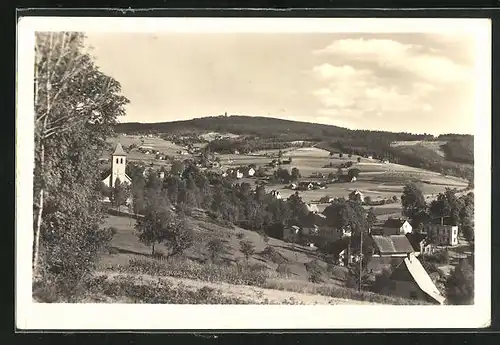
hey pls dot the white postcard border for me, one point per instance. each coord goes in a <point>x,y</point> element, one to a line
<point>30,315</point>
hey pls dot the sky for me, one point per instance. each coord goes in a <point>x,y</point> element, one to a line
<point>396,82</point>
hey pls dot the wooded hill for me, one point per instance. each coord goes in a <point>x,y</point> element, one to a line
<point>265,133</point>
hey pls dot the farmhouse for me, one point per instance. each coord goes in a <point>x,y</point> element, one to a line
<point>391,246</point>
<point>442,231</point>
<point>445,235</point>
<point>305,185</point>
<point>418,241</point>
<point>313,208</point>
<point>410,280</point>
<point>276,194</point>
<point>118,165</point>
<point>396,226</point>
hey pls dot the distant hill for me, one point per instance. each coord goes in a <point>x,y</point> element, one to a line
<point>257,133</point>
<point>264,127</point>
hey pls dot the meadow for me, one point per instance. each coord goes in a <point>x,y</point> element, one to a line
<point>377,180</point>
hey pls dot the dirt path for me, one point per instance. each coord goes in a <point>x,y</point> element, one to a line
<point>248,293</point>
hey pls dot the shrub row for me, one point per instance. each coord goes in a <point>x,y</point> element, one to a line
<point>158,292</point>
<point>237,275</point>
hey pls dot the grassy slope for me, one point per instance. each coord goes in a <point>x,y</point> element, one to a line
<point>291,288</point>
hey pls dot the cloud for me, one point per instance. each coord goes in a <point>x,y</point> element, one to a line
<point>327,71</point>
<point>392,55</point>
<point>381,77</point>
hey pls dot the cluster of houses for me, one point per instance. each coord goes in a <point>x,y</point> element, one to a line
<point>394,245</point>
<point>308,185</point>
<point>241,172</point>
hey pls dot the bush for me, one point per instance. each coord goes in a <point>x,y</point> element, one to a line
<point>247,248</point>
<point>215,248</point>
<point>238,275</point>
<point>440,258</point>
<point>159,255</point>
<point>158,292</point>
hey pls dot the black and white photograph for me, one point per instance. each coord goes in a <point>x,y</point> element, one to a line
<point>224,173</point>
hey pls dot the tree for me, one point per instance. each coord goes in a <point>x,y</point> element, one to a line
<point>368,200</point>
<point>342,214</point>
<point>371,218</point>
<point>153,227</point>
<point>120,193</point>
<point>354,172</point>
<point>413,203</point>
<point>76,108</point>
<point>215,248</point>
<point>460,284</point>
<point>247,248</point>
<point>282,175</point>
<point>179,236</point>
<point>340,155</point>
<point>446,205</point>
<point>177,168</point>
<point>295,174</point>
<point>359,159</point>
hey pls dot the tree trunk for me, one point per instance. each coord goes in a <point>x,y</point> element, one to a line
<point>153,250</point>
<point>36,249</point>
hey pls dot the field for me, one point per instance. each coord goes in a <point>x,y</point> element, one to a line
<point>128,274</point>
<point>287,272</point>
<point>377,180</point>
<point>432,145</point>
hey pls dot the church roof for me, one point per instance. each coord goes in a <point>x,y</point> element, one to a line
<point>119,150</point>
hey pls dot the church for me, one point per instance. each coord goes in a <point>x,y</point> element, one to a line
<point>118,165</point>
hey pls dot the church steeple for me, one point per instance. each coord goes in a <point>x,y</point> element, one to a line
<point>118,165</point>
<point>119,151</point>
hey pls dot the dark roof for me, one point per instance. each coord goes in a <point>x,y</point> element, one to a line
<point>446,221</point>
<point>119,150</point>
<point>394,244</point>
<point>415,240</point>
<point>394,223</point>
<point>377,264</point>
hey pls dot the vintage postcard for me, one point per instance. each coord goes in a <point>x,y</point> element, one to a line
<point>253,173</point>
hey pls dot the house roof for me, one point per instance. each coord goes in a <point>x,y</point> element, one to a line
<point>446,221</point>
<point>119,150</point>
<point>423,280</point>
<point>394,223</point>
<point>392,244</point>
<point>312,208</point>
<point>377,264</point>
<point>415,240</point>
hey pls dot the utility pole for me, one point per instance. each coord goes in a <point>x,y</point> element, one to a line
<point>360,258</point>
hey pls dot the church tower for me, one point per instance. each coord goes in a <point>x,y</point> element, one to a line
<point>118,164</point>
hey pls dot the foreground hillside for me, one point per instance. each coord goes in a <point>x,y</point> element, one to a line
<point>277,273</point>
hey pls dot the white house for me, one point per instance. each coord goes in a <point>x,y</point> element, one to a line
<point>118,165</point>
<point>239,174</point>
<point>446,235</point>
<point>397,226</point>
<point>251,172</point>
<point>276,194</point>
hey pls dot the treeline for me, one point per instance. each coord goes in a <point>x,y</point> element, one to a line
<point>247,145</point>
<point>460,150</point>
<point>425,158</point>
<point>261,133</point>
<point>266,127</point>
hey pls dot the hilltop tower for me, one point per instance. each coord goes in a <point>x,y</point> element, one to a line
<point>118,166</point>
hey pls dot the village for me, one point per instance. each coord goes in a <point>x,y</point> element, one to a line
<point>396,250</point>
